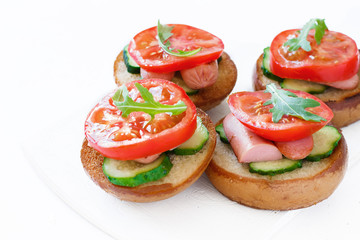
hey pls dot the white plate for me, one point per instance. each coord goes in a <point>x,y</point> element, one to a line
<point>200,210</point>
<point>76,70</point>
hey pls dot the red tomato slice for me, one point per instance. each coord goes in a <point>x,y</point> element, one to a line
<point>248,108</point>
<point>145,50</point>
<point>138,135</point>
<point>336,58</point>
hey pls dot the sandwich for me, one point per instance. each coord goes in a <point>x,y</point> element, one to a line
<point>316,60</point>
<point>146,141</point>
<point>277,150</point>
<point>190,57</point>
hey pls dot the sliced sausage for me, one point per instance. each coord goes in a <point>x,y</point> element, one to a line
<point>146,74</point>
<point>247,146</point>
<point>147,159</point>
<point>298,149</point>
<point>201,76</point>
<point>349,84</point>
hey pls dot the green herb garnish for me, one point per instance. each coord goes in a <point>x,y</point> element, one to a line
<point>125,103</point>
<point>163,34</point>
<point>301,41</point>
<point>287,103</point>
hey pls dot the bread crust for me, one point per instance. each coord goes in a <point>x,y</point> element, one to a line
<point>164,188</point>
<point>206,98</point>
<point>345,104</point>
<point>301,188</point>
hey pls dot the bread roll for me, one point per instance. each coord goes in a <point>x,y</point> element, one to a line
<point>206,98</point>
<point>345,104</point>
<point>303,187</point>
<point>185,171</point>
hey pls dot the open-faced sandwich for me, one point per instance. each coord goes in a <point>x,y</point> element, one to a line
<point>277,150</point>
<point>316,60</point>
<point>146,141</point>
<point>188,56</point>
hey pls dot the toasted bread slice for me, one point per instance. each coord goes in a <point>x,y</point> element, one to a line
<point>185,171</point>
<point>303,187</point>
<point>206,98</point>
<point>345,104</point>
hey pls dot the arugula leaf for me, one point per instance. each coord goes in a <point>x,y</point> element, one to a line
<point>125,103</point>
<point>163,34</point>
<point>287,103</point>
<point>301,41</point>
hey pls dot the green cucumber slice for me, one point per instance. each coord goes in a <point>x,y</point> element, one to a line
<point>220,130</point>
<point>302,85</point>
<point>196,142</point>
<point>132,174</point>
<point>325,140</point>
<point>274,167</point>
<point>182,84</point>
<point>266,66</point>
<point>131,65</point>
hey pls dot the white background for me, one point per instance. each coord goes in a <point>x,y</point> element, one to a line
<point>56,61</point>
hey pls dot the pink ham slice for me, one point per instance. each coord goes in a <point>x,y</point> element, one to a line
<point>167,76</point>
<point>349,84</point>
<point>247,146</point>
<point>298,149</point>
<point>201,76</point>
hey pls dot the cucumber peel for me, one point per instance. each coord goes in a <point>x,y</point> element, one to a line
<point>301,85</point>
<point>132,174</point>
<point>196,142</point>
<point>220,130</point>
<point>131,65</point>
<point>274,167</point>
<point>325,141</point>
<point>266,66</point>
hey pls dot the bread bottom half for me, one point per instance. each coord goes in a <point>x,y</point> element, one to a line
<point>185,171</point>
<point>303,187</point>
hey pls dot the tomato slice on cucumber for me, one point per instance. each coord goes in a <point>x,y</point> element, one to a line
<point>248,108</point>
<point>336,58</point>
<point>145,50</point>
<point>138,135</point>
